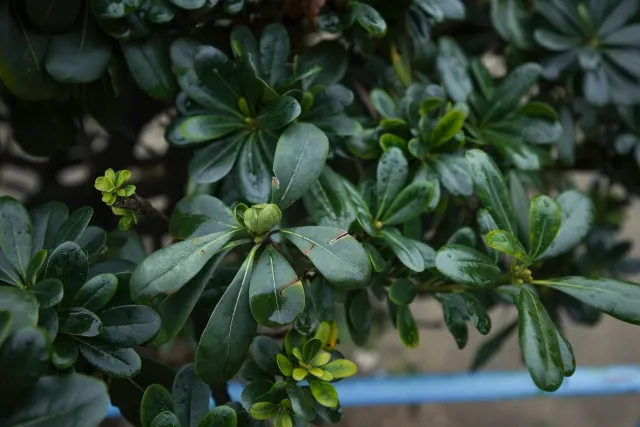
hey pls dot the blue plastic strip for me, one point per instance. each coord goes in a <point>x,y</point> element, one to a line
<point>472,387</point>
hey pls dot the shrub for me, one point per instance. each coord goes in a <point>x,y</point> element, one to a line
<point>326,159</point>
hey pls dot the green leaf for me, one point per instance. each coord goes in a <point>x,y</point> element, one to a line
<point>490,187</point>
<point>227,337</point>
<point>453,173</point>
<point>446,128</point>
<point>149,63</point>
<point>509,93</point>
<point>452,65</point>
<point>158,11</point>
<point>49,292</point>
<point>207,128</point>
<point>455,317</point>
<point>278,113</point>
<point>222,416</point>
<point>335,253</point>
<point>384,103</point>
<point>402,292</point>
<point>377,260</point>
<point>265,353</point>
<point>467,266</point>
<point>214,79</point>
<point>64,352</point>
<point>463,236</point>
<point>510,19</point>
<point>22,305</point>
<point>407,328</point>
<point>113,9</point>
<point>324,393</point>
<point>48,320</point>
<point>617,298</point>
<point>129,325</point>
<point>52,17</point>
<point>16,238</point>
<point>274,53</point>
<point>359,316</point>
<point>199,215</point>
<point>167,270</point>
<point>410,203</point>
<point>566,352</point>
<point>311,348</point>
<point>486,224</point>
<point>6,324</point>
<point>391,175</point>
<point>113,361</point>
<point>79,321</point>
<point>253,169</point>
<point>578,215</point>
<point>545,220</point>
<point>68,263</point>
<point>156,399</point>
<point>284,365</point>
<point>97,292</point>
<point>405,249</point>
<point>299,160</point>
<point>175,309</point>
<point>36,263</point>
<point>73,227</point>
<point>328,201</point>
<point>489,348</point>
<point>93,240</point>
<point>369,18</point>
<point>275,293</point>
<point>47,219</point>
<point>509,244</point>
<point>331,57</point>
<point>191,397</point>
<point>72,400</point>
<point>24,357</point>
<point>165,419</point>
<point>216,160</point>
<point>264,410</point>
<point>539,342</point>
<point>79,56</point>
<point>520,200</point>
<point>302,404</point>
<point>189,5</point>
<point>341,368</point>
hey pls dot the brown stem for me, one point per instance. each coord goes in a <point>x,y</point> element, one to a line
<point>140,206</point>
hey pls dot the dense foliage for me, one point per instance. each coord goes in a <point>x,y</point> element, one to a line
<point>326,159</point>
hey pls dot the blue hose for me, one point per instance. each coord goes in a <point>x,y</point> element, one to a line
<point>472,387</point>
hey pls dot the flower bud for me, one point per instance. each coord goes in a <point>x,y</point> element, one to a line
<point>261,218</point>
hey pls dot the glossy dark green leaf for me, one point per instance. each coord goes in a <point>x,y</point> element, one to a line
<point>510,19</point>
<point>453,173</point>
<point>149,63</point>
<point>6,324</point>
<point>324,393</point>
<point>191,397</point>
<point>16,233</point>
<point>402,292</point>
<point>165,419</point>
<point>406,251</point>
<point>215,161</point>
<point>299,160</point>
<point>189,5</point>
<point>156,399</point>
<point>24,357</point>
<point>384,103</point>
<point>227,337</point>
<point>276,295</point>
<point>509,93</point>
<point>278,113</point>
<point>490,187</point>
<point>521,206</point>
<point>199,215</point>
<point>49,292</point>
<point>22,305</point>
<point>410,203</point>
<point>265,351</point>
<point>566,352</point>
<point>302,404</point>
<point>545,219</point>
<point>377,260</point>
<point>253,171</point>
<point>166,271</point>
<point>486,224</point>
<point>47,219</point>
<point>467,266</point>
<point>8,273</point>
<point>256,391</point>
<point>328,202</point>
<point>97,292</point>
<point>539,342</point>
<point>113,361</point>
<point>222,416</point>
<point>79,56</point>
<point>72,400</point>
<point>359,316</point>
<point>129,325</point>
<point>264,410</point>
<point>274,53</point>
<point>452,65</point>
<point>93,240</point>
<point>113,9</point>
<point>617,298</point>
<point>48,320</point>
<point>175,309</point>
<point>539,130</point>
<point>214,79</point>
<point>157,11</point>
<point>455,317</point>
<point>34,266</point>
<point>391,175</point>
<point>208,128</point>
<point>79,321</point>
<point>52,17</point>
<point>369,18</point>
<point>578,215</point>
<point>331,57</point>
<point>73,227</point>
<point>509,244</point>
<point>463,236</point>
<point>490,347</point>
<point>64,352</point>
<point>68,263</point>
<point>407,328</point>
<point>447,127</point>
<point>335,253</point>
